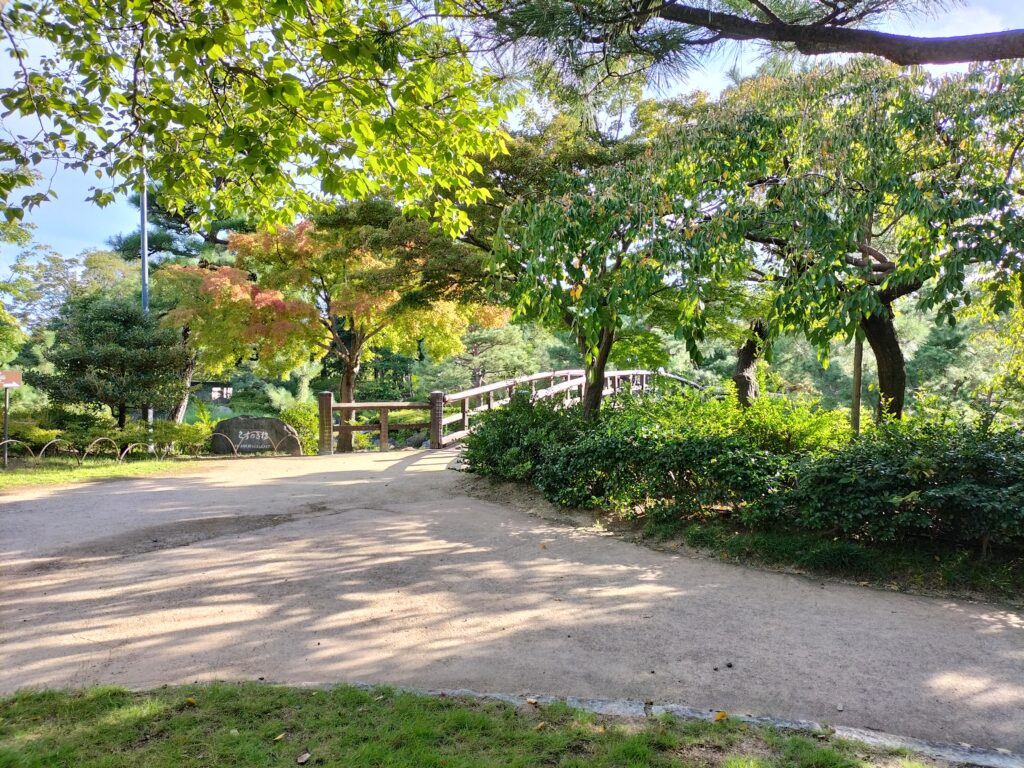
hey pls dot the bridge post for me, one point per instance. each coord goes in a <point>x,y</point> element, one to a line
<point>436,419</point>
<point>325,401</point>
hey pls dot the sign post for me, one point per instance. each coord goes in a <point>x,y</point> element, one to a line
<point>9,380</point>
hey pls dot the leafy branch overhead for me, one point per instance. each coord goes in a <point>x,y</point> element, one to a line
<point>237,108</point>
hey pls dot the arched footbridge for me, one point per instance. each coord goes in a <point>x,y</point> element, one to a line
<point>450,415</point>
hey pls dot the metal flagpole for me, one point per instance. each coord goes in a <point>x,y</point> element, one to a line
<point>144,205</point>
<point>144,248</point>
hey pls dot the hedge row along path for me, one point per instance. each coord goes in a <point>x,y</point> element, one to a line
<point>386,568</point>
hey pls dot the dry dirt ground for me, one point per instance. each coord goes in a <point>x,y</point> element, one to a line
<point>389,568</point>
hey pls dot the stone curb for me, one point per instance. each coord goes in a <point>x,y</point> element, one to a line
<point>963,754</point>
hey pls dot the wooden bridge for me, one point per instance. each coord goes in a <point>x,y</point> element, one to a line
<point>449,414</point>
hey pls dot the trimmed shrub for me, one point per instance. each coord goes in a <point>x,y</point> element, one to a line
<point>952,481</point>
<point>777,466</point>
<point>510,443</point>
<point>32,434</point>
<point>305,419</point>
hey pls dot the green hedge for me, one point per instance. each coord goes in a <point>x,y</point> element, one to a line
<point>947,480</point>
<point>780,465</point>
<point>305,418</point>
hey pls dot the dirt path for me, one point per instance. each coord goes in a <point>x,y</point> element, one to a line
<point>382,568</point>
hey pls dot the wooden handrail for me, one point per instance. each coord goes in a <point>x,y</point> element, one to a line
<point>499,385</point>
<point>396,405</point>
<point>565,386</point>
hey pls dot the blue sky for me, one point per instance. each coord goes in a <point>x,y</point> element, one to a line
<point>71,225</point>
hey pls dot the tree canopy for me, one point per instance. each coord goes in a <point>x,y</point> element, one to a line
<point>846,188</point>
<point>369,275</point>
<point>236,108</point>
<point>107,352</point>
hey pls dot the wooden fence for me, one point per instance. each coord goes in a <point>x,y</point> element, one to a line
<point>450,414</point>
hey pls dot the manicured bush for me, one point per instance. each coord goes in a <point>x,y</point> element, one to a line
<point>32,434</point>
<point>778,466</point>
<point>942,479</point>
<point>305,419</point>
<point>511,442</point>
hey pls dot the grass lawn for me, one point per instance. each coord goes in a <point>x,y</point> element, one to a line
<point>923,569</point>
<point>263,725</point>
<point>61,470</point>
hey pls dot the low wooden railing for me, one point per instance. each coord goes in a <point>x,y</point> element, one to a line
<point>568,384</point>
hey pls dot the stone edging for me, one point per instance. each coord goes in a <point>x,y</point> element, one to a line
<point>963,754</point>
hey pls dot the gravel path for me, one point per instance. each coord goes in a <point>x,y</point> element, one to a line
<point>382,568</point>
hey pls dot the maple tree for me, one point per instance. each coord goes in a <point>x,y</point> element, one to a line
<point>223,319</point>
<point>369,274</point>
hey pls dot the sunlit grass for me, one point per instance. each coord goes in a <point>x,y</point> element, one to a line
<point>62,470</point>
<point>265,725</point>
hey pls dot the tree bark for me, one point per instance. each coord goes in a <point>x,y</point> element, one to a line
<point>745,375</point>
<point>880,331</point>
<point>122,415</point>
<point>178,415</point>
<point>347,394</point>
<point>830,38</point>
<point>593,388</point>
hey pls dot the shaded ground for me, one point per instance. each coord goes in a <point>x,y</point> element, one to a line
<point>383,568</point>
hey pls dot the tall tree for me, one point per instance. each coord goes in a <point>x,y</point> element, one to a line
<point>108,353</point>
<point>42,280</point>
<point>598,252</point>
<point>370,275</point>
<point>232,107</point>
<point>847,188</point>
<point>223,319</point>
<point>175,233</point>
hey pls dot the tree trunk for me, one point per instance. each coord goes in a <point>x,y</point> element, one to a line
<point>347,394</point>
<point>880,331</point>
<point>122,415</point>
<point>745,375</point>
<point>178,414</point>
<point>593,388</point>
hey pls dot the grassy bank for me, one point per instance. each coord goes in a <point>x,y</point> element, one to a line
<point>939,569</point>
<point>258,724</point>
<point>63,470</point>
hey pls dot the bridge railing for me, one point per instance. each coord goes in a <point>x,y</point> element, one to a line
<point>456,409</point>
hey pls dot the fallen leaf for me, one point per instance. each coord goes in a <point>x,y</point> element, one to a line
<point>303,758</point>
<point>280,735</point>
<point>532,702</point>
<point>720,716</point>
<point>543,546</point>
<point>190,702</point>
<point>540,726</point>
